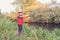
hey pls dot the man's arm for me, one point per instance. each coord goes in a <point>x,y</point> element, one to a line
<point>25,15</point>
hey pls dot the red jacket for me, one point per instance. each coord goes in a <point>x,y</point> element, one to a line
<point>19,20</point>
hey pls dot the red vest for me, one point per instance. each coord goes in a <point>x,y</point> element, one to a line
<point>19,20</point>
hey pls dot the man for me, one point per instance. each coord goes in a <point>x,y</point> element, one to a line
<point>20,22</point>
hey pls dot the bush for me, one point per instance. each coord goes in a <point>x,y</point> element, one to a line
<point>47,16</point>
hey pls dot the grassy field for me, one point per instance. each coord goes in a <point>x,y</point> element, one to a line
<point>8,31</point>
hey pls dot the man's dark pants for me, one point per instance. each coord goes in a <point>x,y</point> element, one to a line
<point>19,28</point>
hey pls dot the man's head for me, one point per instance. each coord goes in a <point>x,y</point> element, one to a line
<point>19,13</point>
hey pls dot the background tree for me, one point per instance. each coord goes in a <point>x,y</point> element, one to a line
<point>0,11</point>
<point>30,5</point>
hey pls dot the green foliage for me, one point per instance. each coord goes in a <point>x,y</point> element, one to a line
<point>8,32</point>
